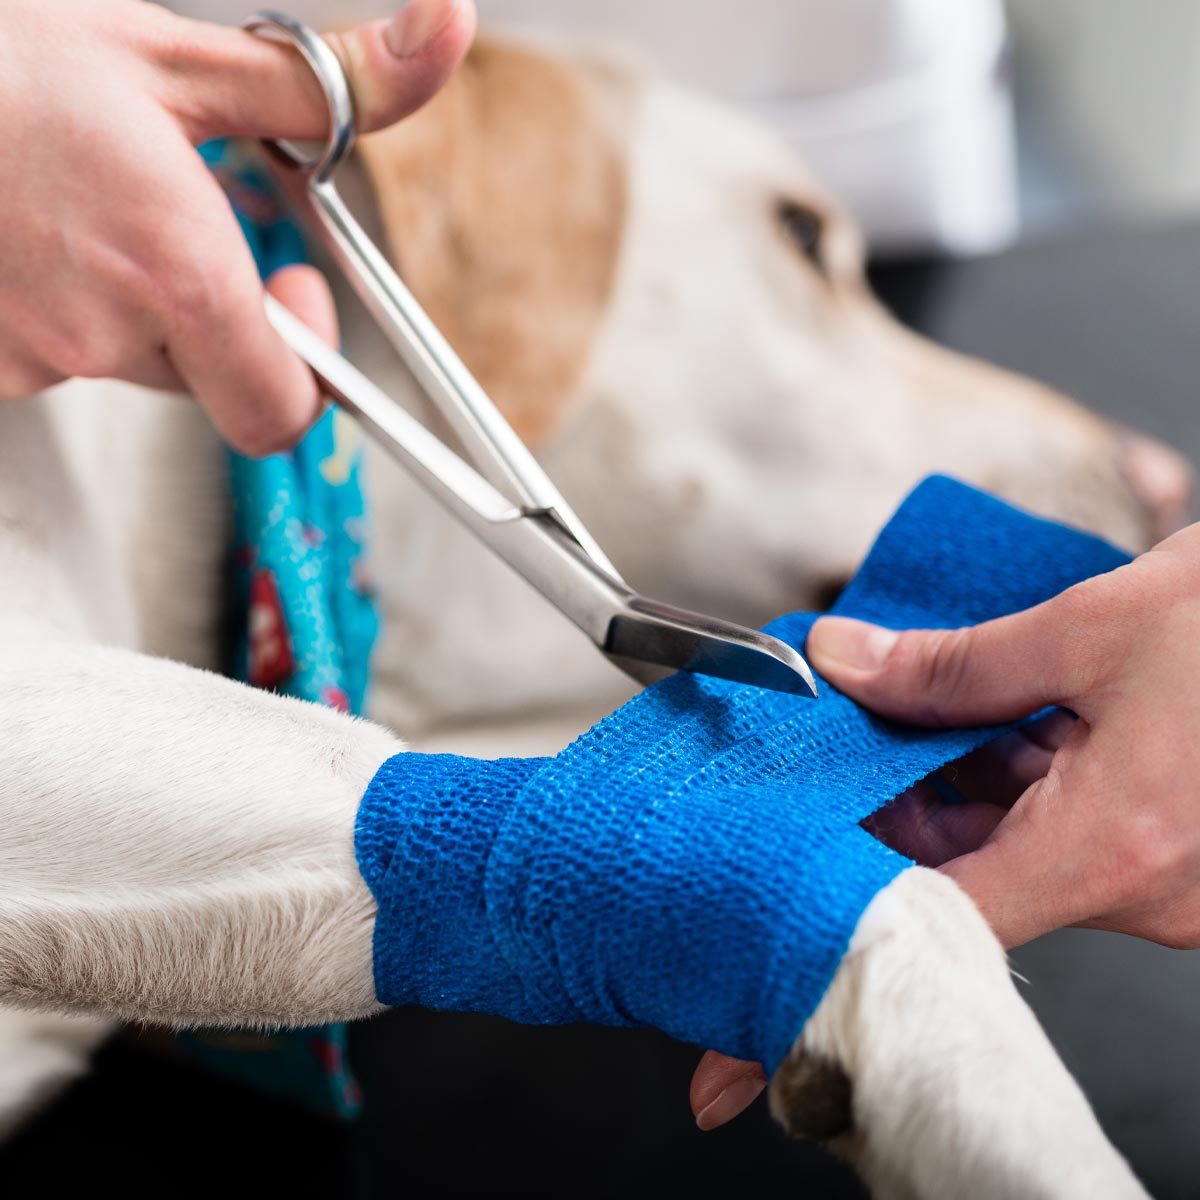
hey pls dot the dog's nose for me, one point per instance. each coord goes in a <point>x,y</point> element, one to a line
<point>1161,478</point>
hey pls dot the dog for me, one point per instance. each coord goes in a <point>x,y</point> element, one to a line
<point>674,314</point>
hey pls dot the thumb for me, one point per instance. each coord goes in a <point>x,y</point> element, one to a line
<point>229,82</point>
<point>997,671</point>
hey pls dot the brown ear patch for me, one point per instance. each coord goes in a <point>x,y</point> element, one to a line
<point>504,202</point>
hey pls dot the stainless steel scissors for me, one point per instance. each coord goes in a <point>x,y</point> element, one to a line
<point>508,502</point>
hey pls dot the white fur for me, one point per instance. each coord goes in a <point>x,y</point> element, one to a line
<point>957,1090</point>
<point>193,862</point>
<point>177,848</point>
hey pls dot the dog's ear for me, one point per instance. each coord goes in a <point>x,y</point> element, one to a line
<point>503,202</point>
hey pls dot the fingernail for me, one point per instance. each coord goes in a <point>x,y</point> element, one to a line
<point>739,1095</point>
<point>844,642</point>
<point>417,24</point>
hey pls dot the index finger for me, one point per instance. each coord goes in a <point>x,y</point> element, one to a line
<point>258,394</point>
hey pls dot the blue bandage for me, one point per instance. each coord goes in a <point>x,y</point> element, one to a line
<point>695,861</point>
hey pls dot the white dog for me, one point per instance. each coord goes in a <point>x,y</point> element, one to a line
<point>669,308</point>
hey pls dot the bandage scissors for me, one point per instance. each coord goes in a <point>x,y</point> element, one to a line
<point>506,499</point>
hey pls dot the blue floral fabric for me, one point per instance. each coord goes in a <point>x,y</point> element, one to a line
<point>304,619</point>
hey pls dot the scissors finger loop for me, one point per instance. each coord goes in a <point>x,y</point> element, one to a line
<point>326,66</point>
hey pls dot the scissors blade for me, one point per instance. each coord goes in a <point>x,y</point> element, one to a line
<point>649,640</point>
<point>645,638</point>
<point>505,499</point>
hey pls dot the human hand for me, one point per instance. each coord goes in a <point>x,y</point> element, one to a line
<point>919,823</point>
<point>1108,836</point>
<point>121,255</point>
<point>1091,822</point>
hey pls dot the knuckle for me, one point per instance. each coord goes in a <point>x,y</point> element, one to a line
<point>134,277</point>
<point>935,662</point>
<point>202,275</point>
<point>1150,852</point>
<point>1083,623</point>
<point>19,378</point>
<point>83,356</point>
<point>72,354</point>
<point>168,41</point>
<point>196,70</point>
<point>193,300</point>
<point>272,427</point>
<point>100,360</point>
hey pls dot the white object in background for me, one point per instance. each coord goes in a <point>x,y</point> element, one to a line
<point>900,105</point>
<point>1111,92</point>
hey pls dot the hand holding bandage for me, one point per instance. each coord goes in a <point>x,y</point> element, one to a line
<point>1107,832</point>
<point>695,862</point>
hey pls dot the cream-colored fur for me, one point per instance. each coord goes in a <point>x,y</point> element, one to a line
<point>175,847</point>
<point>945,1059</point>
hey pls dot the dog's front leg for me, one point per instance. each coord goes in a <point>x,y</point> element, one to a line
<point>176,847</point>
<point>949,1086</point>
<point>179,848</point>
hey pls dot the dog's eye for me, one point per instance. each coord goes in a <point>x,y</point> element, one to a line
<point>803,228</point>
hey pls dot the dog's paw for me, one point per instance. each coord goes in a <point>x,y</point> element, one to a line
<point>812,1097</point>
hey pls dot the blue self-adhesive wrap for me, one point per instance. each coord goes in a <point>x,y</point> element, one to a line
<point>695,861</point>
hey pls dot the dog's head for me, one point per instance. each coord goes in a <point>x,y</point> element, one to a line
<point>673,312</point>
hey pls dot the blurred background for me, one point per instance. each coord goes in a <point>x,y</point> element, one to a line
<point>1029,175</point>
<point>906,106</point>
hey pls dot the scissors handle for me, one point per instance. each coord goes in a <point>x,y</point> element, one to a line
<point>489,440</point>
